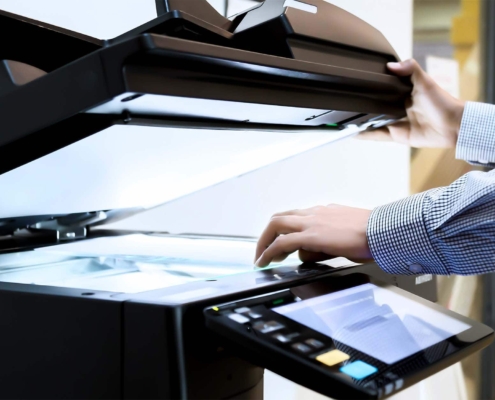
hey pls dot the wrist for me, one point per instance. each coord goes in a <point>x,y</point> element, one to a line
<point>366,244</point>
<point>362,251</point>
<point>455,119</point>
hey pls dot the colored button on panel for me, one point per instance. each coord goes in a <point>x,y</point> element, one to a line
<point>358,370</point>
<point>332,358</point>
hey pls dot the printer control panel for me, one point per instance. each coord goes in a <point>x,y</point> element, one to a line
<point>360,340</point>
<point>302,343</point>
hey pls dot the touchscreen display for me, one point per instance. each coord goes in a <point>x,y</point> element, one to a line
<point>375,321</point>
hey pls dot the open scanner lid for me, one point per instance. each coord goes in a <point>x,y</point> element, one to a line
<point>96,130</point>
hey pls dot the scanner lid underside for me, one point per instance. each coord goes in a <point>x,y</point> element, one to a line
<point>149,118</point>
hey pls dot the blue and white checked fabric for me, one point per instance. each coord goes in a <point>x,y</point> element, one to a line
<point>449,230</point>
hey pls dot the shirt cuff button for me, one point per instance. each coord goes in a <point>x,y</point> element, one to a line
<point>416,268</point>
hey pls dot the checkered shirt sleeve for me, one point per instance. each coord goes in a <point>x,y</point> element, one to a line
<point>449,230</point>
<point>476,142</point>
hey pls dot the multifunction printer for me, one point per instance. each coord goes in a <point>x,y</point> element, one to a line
<point>95,131</point>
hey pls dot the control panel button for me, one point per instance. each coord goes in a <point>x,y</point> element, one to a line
<point>303,348</point>
<point>241,319</point>
<point>314,343</point>
<point>266,327</point>
<point>391,376</point>
<point>399,383</point>
<point>389,388</point>
<point>282,338</point>
<point>332,358</point>
<point>242,310</point>
<point>358,370</point>
<point>254,315</point>
<point>286,338</point>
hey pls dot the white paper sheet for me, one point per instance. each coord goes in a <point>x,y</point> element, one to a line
<point>176,249</point>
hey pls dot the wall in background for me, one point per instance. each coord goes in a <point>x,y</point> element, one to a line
<point>101,19</point>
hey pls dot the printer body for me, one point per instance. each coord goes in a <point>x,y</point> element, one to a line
<point>97,131</point>
<point>74,343</point>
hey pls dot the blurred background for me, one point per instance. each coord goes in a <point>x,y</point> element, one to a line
<point>451,41</point>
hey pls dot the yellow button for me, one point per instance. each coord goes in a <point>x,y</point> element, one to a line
<point>332,358</point>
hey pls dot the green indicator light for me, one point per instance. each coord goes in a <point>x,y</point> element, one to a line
<point>277,302</point>
<point>333,125</point>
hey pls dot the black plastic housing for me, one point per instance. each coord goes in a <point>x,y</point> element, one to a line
<point>70,343</point>
<point>330,63</point>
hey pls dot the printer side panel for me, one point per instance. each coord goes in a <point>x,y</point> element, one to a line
<point>169,353</point>
<point>150,365</point>
<point>214,369</point>
<point>58,346</point>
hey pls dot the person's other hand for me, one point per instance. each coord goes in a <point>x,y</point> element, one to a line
<point>433,115</point>
<point>318,233</point>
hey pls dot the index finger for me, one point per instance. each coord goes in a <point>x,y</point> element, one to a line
<point>407,68</point>
<point>379,135</point>
<point>277,226</point>
<point>286,244</point>
<point>300,213</point>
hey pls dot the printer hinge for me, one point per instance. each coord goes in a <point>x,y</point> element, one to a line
<point>70,227</point>
<point>65,233</point>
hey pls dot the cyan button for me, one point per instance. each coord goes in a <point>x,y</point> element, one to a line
<point>358,370</point>
<point>416,268</point>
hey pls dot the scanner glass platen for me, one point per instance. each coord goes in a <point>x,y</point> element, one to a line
<point>131,263</point>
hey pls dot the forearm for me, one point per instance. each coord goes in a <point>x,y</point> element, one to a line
<point>444,231</point>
